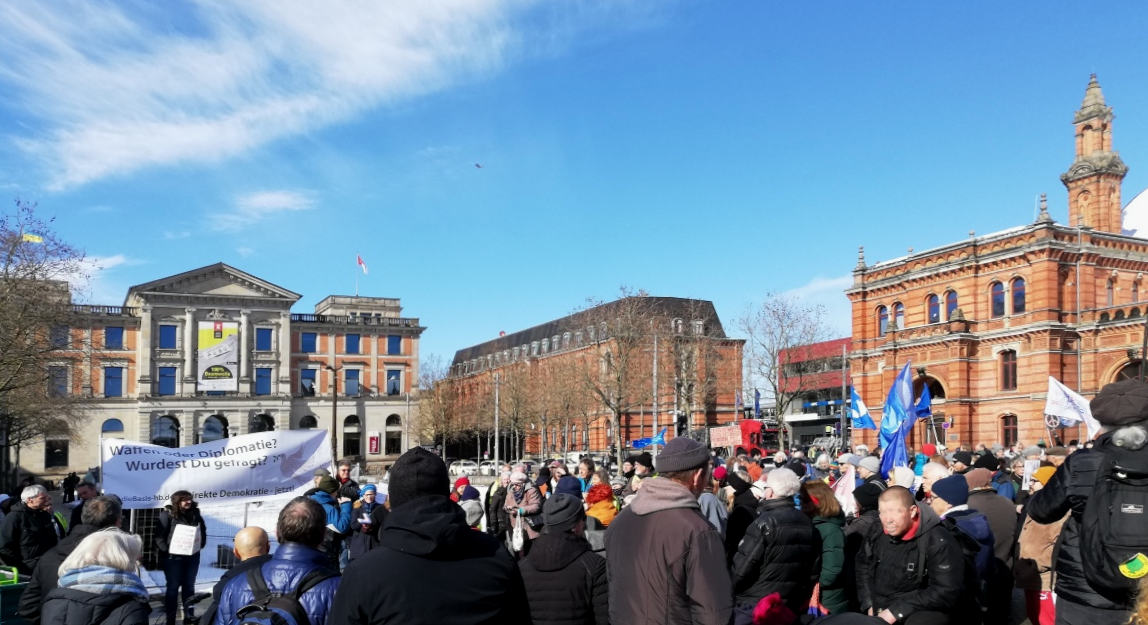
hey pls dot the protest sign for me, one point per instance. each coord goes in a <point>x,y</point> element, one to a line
<point>183,540</point>
<point>242,468</point>
<point>1030,467</point>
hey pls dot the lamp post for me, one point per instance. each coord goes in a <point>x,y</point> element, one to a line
<point>334,413</point>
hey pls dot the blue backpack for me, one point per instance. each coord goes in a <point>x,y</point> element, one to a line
<point>274,608</point>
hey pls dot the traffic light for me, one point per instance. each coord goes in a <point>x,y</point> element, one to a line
<point>682,424</point>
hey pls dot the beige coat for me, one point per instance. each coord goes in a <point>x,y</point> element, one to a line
<point>1033,570</point>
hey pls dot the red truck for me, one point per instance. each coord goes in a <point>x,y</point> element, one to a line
<point>749,437</point>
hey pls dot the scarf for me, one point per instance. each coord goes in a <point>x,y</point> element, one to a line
<point>100,580</point>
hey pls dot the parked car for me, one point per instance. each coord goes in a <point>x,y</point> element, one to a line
<point>487,467</point>
<point>464,467</point>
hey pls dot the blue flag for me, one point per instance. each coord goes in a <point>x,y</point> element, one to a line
<point>897,419</point>
<point>756,404</point>
<point>859,412</point>
<point>660,439</point>
<point>925,403</point>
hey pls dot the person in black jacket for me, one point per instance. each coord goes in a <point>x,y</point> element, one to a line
<point>565,581</point>
<point>29,530</point>
<point>100,584</point>
<point>99,513</point>
<point>253,549</point>
<point>859,531</point>
<point>916,567</point>
<point>179,569</point>
<point>429,567</point>
<point>497,518</point>
<point>781,551</point>
<point>85,491</point>
<point>743,512</point>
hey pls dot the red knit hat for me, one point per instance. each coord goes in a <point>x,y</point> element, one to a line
<point>462,481</point>
<point>929,450</point>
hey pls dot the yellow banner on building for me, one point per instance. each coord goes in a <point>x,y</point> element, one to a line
<point>218,356</point>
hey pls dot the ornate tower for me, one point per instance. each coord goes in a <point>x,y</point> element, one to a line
<point>1093,180</point>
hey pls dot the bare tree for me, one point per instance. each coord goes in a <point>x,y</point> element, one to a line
<point>439,403</point>
<point>778,331</point>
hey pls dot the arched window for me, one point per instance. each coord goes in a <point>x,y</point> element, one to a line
<point>1110,292</point>
<point>996,298</point>
<point>112,428</point>
<point>261,423</point>
<point>393,436</point>
<point>899,316</point>
<point>165,432</point>
<point>1008,370</point>
<point>214,428</point>
<point>1008,430</point>
<point>352,438</point>
<point>936,391</point>
<point>308,422</point>
<point>1017,296</point>
<point>882,320</point>
<point>933,308</point>
<point>950,304</point>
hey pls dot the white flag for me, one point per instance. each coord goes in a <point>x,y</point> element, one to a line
<point>362,265</point>
<point>1069,407</point>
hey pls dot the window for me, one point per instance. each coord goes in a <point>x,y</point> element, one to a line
<point>58,381</point>
<point>166,381</point>
<point>55,453</point>
<point>545,345</point>
<point>394,379</point>
<point>899,316</point>
<point>677,325</point>
<point>113,337</point>
<point>261,423</point>
<point>950,304</point>
<point>351,382</point>
<point>566,340</point>
<point>393,439</point>
<point>933,308</point>
<point>113,382</point>
<point>351,437</point>
<point>214,428</point>
<point>60,336</point>
<point>534,348</point>
<point>1008,430</point>
<point>165,431</point>
<point>1018,296</point>
<point>352,343</point>
<point>263,380</point>
<point>882,320</point>
<point>1008,370</point>
<point>394,345</point>
<point>514,354</point>
<point>308,422</point>
<point>699,327</point>
<point>167,337</point>
<point>112,428</point>
<point>996,298</point>
<point>307,382</point>
<point>262,339</point>
<point>307,342</point>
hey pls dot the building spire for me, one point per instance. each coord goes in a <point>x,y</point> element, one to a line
<point>860,257</point>
<point>1093,179</point>
<point>1044,217</point>
<point>1093,105</point>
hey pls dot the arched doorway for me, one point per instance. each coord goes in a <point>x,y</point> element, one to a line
<point>261,423</point>
<point>165,431</point>
<point>928,429</point>
<point>352,437</point>
<point>308,422</point>
<point>393,435</point>
<point>214,428</point>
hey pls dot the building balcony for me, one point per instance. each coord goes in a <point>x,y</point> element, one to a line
<point>104,311</point>
<point>356,320</point>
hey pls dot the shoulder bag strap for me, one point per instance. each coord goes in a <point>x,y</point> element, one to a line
<point>313,579</point>
<point>258,584</point>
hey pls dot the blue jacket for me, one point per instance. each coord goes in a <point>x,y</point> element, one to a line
<point>338,514</point>
<point>283,572</point>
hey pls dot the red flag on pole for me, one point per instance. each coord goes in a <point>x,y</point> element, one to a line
<point>359,260</point>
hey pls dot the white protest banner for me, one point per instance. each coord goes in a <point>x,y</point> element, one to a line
<point>241,468</point>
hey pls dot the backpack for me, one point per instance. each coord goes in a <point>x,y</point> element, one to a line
<point>1114,526</point>
<point>274,608</point>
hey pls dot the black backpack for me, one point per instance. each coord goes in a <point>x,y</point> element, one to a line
<point>1114,527</point>
<point>274,608</point>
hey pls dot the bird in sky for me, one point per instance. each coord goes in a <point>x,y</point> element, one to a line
<point>478,165</point>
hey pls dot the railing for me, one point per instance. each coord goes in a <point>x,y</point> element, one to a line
<point>385,322</point>
<point>110,311</point>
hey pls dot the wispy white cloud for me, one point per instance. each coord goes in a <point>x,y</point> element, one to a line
<point>253,208</point>
<point>244,252</point>
<point>829,293</point>
<point>95,280</point>
<point>118,90</point>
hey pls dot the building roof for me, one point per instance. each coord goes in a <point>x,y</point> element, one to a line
<point>665,307</point>
<point>814,351</point>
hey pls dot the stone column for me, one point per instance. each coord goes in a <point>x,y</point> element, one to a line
<point>244,367</point>
<point>189,350</point>
<point>285,353</point>
<point>143,352</point>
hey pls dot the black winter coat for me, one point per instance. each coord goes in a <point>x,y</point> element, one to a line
<point>859,532</point>
<point>25,535</point>
<point>743,513</point>
<point>781,553</point>
<point>1067,491</point>
<point>565,581</point>
<point>497,518</point>
<point>431,568</point>
<point>67,606</point>
<point>47,573</point>
<point>925,572</point>
<point>165,527</point>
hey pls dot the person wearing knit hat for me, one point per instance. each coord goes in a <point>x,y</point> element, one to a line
<point>456,491</point>
<point>429,558</point>
<point>951,491</point>
<point>962,461</point>
<point>650,582</point>
<point>565,580</point>
<point>339,515</point>
<point>1043,475</point>
<point>950,502</point>
<point>524,500</point>
<point>568,485</point>
<point>903,477</point>
<point>987,461</point>
<point>869,471</point>
<point>1001,515</point>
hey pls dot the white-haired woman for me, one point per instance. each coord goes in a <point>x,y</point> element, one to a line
<point>99,583</point>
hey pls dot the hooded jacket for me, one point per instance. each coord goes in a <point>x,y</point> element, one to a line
<point>68,606</point>
<point>781,553</point>
<point>25,535</point>
<point>283,572</point>
<point>565,581</point>
<point>431,568</point>
<point>667,563</point>
<point>165,527</point>
<point>922,570</point>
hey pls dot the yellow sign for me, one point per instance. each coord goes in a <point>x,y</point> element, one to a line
<point>218,356</point>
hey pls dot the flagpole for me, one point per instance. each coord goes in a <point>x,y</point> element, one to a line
<point>357,269</point>
<point>844,366</point>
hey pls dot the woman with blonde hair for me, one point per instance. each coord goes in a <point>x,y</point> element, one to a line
<point>99,583</point>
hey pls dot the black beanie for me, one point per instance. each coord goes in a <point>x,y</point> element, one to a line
<point>417,473</point>
<point>645,459</point>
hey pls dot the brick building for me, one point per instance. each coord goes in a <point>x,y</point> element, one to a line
<point>544,367</point>
<point>986,320</point>
<point>143,368</point>
<point>814,373</point>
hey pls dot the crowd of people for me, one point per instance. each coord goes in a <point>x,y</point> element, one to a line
<point>973,536</point>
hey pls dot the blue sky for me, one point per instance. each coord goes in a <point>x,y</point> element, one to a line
<point>699,149</point>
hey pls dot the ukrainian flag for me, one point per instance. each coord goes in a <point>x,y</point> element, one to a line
<point>29,237</point>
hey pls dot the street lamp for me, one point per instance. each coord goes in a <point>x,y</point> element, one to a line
<point>334,413</point>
